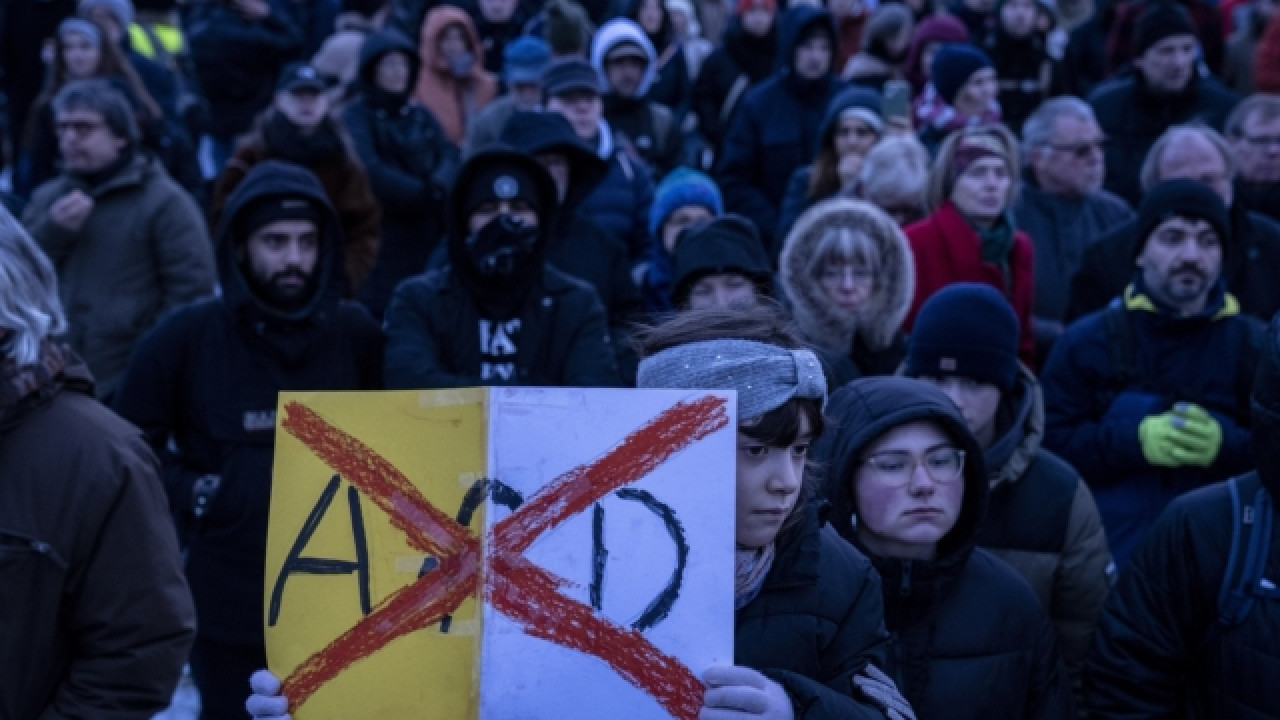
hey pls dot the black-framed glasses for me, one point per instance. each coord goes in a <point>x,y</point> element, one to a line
<point>943,464</point>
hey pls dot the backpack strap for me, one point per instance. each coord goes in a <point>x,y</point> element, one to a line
<point>735,94</point>
<point>1243,581</point>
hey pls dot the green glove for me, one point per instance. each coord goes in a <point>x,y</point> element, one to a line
<point>1201,435</point>
<point>1160,439</point>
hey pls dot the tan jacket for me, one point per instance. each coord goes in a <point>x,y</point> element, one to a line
<point>143,250</point>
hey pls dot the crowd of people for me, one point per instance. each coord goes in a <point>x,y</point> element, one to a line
<point>1004,273</point>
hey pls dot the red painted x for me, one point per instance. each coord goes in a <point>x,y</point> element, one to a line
<point>522,591</point>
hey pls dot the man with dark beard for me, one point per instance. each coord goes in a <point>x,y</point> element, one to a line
<point>298,129</point>
<point>203,385</point>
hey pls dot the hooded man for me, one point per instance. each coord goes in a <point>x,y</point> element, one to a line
<point>775,129</point>
<point>1041,518</point>
<point>626,61</point>
<point>1148,398</point>
<point>498,314</point>
<point>1169,644</point>
<point>408,160</point>
<point>203,387</point>
<point>298,129</point>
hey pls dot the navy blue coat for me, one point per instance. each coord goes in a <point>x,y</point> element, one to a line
<point>775,129</point>
<point>1092,415</point>
<point>620,203</point>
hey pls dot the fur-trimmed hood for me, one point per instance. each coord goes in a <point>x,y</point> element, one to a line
<point>880,318</point>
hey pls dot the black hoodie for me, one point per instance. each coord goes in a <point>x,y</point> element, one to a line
<point>203,386</point>
<point>409,162</point>
<point>968,637</point>
<point>432,321</point>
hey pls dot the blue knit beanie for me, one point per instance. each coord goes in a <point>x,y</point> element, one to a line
<point>953,65</point>
<point>683,187</point>
<point>969,330</point>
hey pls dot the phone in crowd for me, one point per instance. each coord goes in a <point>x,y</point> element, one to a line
<point>897,99</point>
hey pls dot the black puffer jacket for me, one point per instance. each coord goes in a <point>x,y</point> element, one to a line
<point>433,321</point>
<point>968,638</point>
<point>816,622</point>
<point>1160,651</point>
<point>409,162</point>
<point>203,386</point>
<point>742,55</point>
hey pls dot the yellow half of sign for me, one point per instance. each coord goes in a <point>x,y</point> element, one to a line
<point>334,557</point>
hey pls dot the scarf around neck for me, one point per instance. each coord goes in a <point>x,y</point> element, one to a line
<point>750,567</point>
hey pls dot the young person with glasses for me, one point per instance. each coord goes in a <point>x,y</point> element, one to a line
<point>908,486</point>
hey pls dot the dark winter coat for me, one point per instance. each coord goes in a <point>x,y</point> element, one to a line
<point>1204,15</point>
<point>1160,651</point>
<point>203,386</point>
<point>947,249</point>
<point>340,173</point>
<point>1106,266</point>
<point>869,341</point>
<point>816,623</point>
<point>1261,198</point>
<point>775,129</point>
<point>620,203</point>
<point>1060,228</point>
<point>1027,74</point>
<point>1133,118</point>
<point>1042,521</point>
<point>237,61</point>
<point>143,251</point>
<point>409,164</point>
<point>651,128</point>
<point>433,321</point>
<point>741,55</point>
<point>1085,63</point>
<point>97,616</point>
<point>1094,410</point>
<point>968,640</point>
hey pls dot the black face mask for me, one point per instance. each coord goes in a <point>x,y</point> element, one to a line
<point>503,247</point>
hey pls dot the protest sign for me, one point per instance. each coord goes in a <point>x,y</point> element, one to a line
<point>501,553</point>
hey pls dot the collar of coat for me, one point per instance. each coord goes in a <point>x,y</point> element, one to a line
<point>1221,304</point>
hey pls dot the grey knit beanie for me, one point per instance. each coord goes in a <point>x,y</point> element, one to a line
<point>765,376</point>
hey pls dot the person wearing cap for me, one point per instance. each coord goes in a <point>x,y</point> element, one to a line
<point>1041,518</point>
<point>685,198</point>
<point>621,201</point>
<point>1148,397</point>
<point>498,313</point>
<point>1163,649</point>
<point>129,244</point>
<point>743,59</point>
<point>453,84</point>
<point>908,486</point>
<point>524,61</point>
<point>808,627</point>
<point>1194,152</point>
<point>969,234</point>
<point>1028,74</point>
<point>238,49</point>
<point>1165,89</point>
<point>1208,21</point>
<point>848,276</point>
<point>853,124</point>
<point>776,128</point>
<point>298,128</point>
<point>962,93</point>
<point>627,63</point>
<point>203,386</point>
<point>408,160</point>
<point>98,616</point>
<point>719,264</point>
<point>576,244</point>
<point>931,33</point>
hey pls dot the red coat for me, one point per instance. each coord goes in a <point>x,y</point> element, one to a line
<point>948,250</point>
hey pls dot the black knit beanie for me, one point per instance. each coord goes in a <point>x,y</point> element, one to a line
<point>1161,20</point>
<point>1181,198</point>
<point>966,330</point>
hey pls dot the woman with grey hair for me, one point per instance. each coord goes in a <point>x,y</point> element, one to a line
<point>30,311</point>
